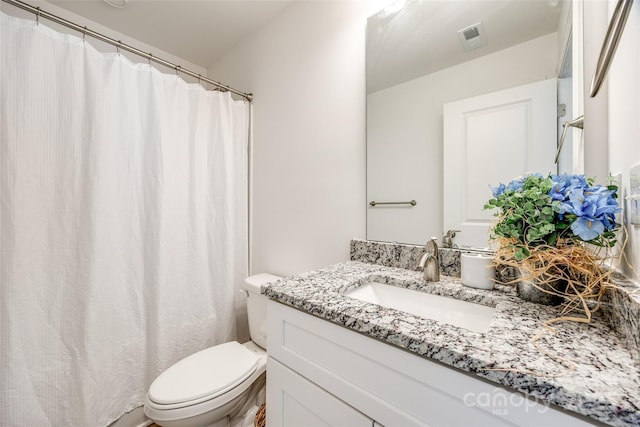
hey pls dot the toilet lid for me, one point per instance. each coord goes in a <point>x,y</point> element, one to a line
<point>207,373</point>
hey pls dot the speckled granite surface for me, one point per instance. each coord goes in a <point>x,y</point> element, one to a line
<point>604,384</point>
<point>407,257</point>
<point>620,307</point>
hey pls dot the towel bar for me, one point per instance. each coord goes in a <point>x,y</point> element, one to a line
<point>410,202</point>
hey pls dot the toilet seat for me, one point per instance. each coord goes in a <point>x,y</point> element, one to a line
<point>203,376</point>
<point>216,407</point>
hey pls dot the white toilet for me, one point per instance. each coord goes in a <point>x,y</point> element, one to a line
<point>212,385</point>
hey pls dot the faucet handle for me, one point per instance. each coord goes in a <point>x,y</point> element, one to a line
<point>431,247</point>
<point>451,233</point>
<point>447,239</point>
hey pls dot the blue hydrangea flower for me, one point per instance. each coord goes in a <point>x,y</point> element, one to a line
<point>564,184</point>
<point>587,230</point>
<point>515,184</point>
<point>595,208</point>
<point>590,208</point>
<point>498,190</point>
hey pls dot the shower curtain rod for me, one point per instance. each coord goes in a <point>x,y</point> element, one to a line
<point>118,44</point>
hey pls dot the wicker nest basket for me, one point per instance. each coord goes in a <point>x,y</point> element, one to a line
<point>261,416</point>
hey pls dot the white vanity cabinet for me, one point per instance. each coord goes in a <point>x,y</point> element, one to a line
<point>302,403</point>
<point>322,374</point>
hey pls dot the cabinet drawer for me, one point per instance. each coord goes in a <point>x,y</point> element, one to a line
<point>293,401</point>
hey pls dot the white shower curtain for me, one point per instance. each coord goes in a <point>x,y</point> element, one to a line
<point>123,226</point>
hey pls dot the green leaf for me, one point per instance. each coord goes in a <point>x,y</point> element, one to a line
<point>551,238</point>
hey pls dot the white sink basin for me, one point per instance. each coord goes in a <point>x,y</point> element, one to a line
<point>468,315</point>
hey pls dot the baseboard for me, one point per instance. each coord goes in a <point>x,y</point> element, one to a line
<point>135,418</point>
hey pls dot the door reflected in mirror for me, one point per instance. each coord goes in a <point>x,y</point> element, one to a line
<point>430,54</point>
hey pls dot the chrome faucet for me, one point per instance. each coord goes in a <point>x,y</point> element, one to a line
<point>430,262</point>
<point>447,239</point>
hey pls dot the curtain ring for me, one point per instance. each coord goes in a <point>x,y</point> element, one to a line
<point>149,58</point>
<point>84,34</point>
<point>118,47</point>
<point>199,79</point>
<point>38,16</point>
<point>178,70</point>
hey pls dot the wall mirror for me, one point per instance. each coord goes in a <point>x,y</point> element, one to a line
<point>430,63</point>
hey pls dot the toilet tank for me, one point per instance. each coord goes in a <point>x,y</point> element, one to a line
<point>257,307</point>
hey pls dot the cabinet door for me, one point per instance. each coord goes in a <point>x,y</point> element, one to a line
<point>294,401</point>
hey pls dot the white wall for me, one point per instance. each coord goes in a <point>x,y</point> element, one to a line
<point>624,121</point>
<point>307,71</point>
<point>405,134</point>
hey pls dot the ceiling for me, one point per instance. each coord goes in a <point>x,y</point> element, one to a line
<point>199,31</point>
<point>422,38</point>
<point>419,39</point>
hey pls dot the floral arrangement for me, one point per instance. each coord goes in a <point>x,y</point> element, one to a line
<point>543,211</point>
<point>544,224</point>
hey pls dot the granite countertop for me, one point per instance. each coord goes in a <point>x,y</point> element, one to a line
<point>604,383</point>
